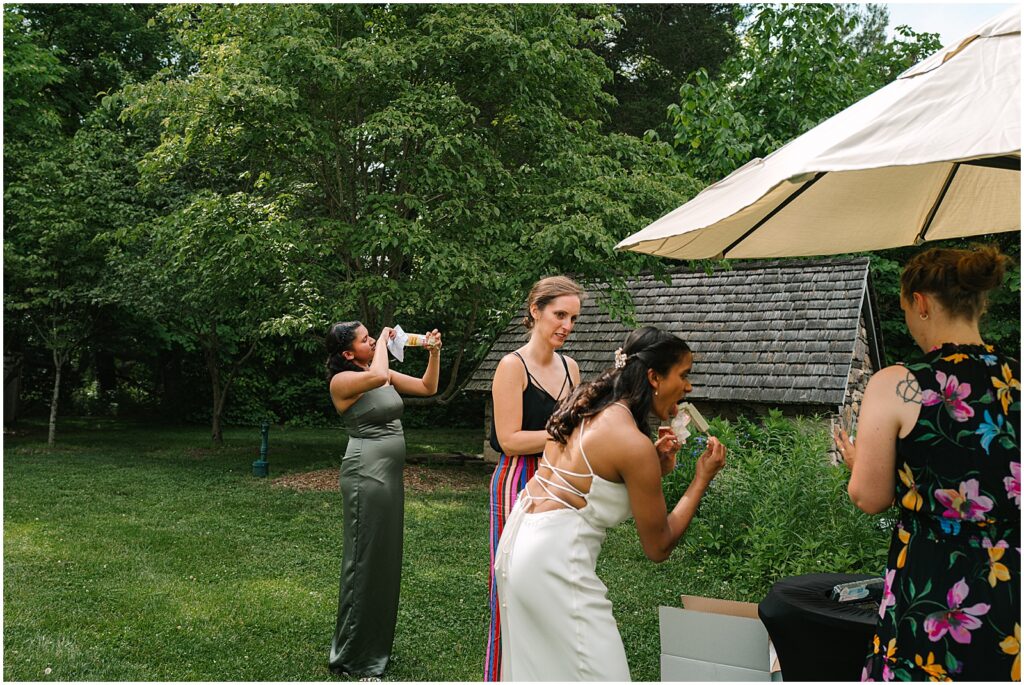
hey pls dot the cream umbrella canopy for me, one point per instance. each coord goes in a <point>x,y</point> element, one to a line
<point>934,154</point>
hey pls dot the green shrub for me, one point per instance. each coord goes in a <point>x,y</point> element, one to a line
<point>779,508</point>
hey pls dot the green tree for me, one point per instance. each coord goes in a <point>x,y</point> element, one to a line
<point>99,47</point>
<point>213,273</point>
<point>436,158</point>
<point>59,59</point>
<point>69,175</point>
<point>31,119</point>
<point>656,47</point>
<point>67,199</point>
<point>797,66</point>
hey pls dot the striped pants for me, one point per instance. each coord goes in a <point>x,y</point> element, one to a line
<point>510,477</point>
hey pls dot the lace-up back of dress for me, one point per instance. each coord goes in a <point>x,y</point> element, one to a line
<point>558,488</point>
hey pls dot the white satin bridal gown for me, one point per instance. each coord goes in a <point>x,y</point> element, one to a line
<point>556,619</point>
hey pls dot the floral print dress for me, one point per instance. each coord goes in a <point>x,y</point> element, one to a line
<point>950,608</point>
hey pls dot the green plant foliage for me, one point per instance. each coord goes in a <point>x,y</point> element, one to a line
<point>1000,325</point>
<point>778,509</point>
<point>437,158</point>
<point>100,46</point>
<point>57,212</point>
<point>653,51</point>
<point>214,274</point>
<point>30,68</point>
<point>69,181</point>
<point>797,65</point>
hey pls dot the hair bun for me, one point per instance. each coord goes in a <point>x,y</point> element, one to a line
<point>981,269</point>
<point>960,279</point>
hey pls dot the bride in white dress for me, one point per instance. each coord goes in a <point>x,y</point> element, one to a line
<point>598,468</point>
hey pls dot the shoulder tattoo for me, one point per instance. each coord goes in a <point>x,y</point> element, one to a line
<point>908,390</point>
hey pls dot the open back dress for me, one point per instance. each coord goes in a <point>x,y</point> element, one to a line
<point>556,618</point>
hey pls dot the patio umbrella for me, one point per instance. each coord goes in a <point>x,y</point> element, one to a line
<point>934,154</point>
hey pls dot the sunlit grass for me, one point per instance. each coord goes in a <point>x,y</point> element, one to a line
<point>135,552</point>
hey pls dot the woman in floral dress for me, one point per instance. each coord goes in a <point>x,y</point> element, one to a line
<point>940,439</point>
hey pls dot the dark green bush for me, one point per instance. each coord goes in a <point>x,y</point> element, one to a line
<point>779,508</point>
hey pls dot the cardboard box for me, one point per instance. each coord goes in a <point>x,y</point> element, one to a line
<point>714,640</point>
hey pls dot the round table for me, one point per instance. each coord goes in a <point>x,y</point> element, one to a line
<point>815,637</point>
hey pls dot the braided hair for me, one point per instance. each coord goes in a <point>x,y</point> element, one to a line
<point>959,279</point>
<point>340,339</point>
<point>645,348</point>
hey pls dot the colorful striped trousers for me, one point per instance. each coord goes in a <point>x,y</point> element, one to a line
<point>510,477</point>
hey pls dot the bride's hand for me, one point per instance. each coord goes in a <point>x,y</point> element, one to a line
<point>712,461</point>
<point>667,445</point>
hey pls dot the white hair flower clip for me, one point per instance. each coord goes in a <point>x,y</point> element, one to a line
<point>620,358</point>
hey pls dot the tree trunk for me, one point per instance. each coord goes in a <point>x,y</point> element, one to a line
<point>217,433</point>
<point>220,389</point>
<point>218,395</point>
<point>58,363</point>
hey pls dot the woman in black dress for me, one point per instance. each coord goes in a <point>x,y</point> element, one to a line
<point>527,385</point>
<point>940,437</point>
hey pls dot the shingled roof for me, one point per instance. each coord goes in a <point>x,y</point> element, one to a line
<point>778,332</point>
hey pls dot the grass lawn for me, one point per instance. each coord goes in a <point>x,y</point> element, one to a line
<point>135,552</point>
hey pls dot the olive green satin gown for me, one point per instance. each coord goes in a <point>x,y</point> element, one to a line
<point>371,564</point>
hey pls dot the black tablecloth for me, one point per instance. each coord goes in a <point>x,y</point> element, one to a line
<point>815,637</point>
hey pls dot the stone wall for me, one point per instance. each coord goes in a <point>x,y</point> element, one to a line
<point>861,369</point>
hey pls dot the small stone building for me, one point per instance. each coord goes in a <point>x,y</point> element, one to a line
<point>802,336</point>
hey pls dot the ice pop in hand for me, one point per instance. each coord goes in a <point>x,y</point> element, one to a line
<point>696,420</point>
<point>681,426</point>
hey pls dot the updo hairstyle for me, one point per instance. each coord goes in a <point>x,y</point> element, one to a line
<point>646,348</point>
<point>339,339</point>
<point>959,279</point>
<point>547,289</point>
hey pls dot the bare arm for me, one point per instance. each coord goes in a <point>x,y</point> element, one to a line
<point>641,470</point>
<point>349,386</point>
<point>427,385</point>
<point>507,393</point>
<point>892,402</point>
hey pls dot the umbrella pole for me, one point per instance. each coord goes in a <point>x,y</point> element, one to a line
<point>935,206</point>
<point>782,205</point>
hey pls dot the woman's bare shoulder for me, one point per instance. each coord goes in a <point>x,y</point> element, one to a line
<point>342,379</point>
<point>511,363</point>
<point>891,376</point>
<point>614,429</point>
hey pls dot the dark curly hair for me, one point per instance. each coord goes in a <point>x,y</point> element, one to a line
<point>645,348</point>
<point>960,279</point>
<point>339,339</point>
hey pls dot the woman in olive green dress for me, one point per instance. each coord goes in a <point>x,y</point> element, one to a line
<point>365,392</point>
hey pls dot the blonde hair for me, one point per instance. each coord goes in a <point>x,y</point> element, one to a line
<point>547,289</point>
<point>959,279</point>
